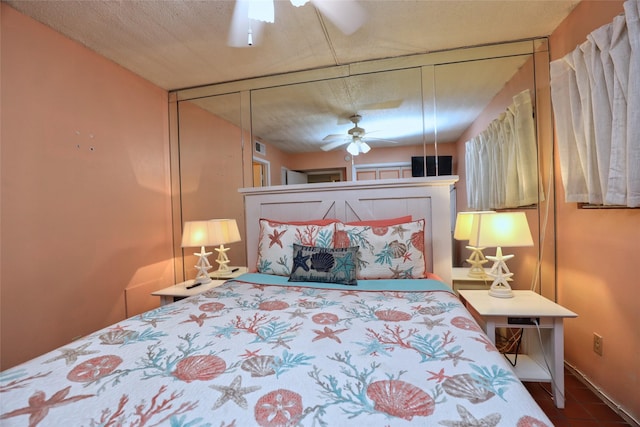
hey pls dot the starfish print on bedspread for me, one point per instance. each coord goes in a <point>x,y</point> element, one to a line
<point>199,319</point>
<point>298,313</point>
<point>70,355</point>
<point>438,376</point>
<point>234,392</point>
<point>39,406</point>
<point>430,324</point>
<point>328,333</point>
<point>469,420</point>
<point>456,357</point>
<point>349,293</point>
<point>280,343</point>
<point>375,348</point>
<point>248,353</point>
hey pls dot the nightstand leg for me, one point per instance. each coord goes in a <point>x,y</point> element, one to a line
<point>165,299</point>
<point>490,329</point>
<point>557,362</point>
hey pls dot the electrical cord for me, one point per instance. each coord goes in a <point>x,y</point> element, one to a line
<point>506,344</point>
<point>516,339</point>
<point>554,387</point>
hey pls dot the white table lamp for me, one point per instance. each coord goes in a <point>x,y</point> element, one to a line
<point>464,221</point>
<point>500,229</point>
<point>224,231</point>
<point>200,233</point>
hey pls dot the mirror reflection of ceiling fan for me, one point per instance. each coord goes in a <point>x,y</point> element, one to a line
<point>356,139</point>
<point>250,15</point>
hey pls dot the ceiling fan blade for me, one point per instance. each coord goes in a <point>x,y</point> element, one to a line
<point>384,105</point>
<point>333,137</point>
<point>347,15</point>
<point>335,144</point>
<point>240,24</point>
<point>262,10</point>
<point>369,138</point>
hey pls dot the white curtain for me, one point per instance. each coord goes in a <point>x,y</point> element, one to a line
<point>501,162</point>
<point>595,92</point>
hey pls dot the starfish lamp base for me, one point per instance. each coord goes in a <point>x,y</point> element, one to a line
<point>477,260</point>
<point>499,290</point>
<point>223,260</point>
<point>203,267</point>
<point>500,272</point>
<point>202,280</point>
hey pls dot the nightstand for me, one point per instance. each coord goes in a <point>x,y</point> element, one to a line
<point>234,272</point>
<point>523,311</point>
<point>183,290</point>
<point>461,280</point>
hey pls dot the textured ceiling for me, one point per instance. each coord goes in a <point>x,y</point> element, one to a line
<point>183,43</point>
<point>179,44</point>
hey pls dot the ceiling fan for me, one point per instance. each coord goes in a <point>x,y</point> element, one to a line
<point>249,17</point>
<point>356,138</point>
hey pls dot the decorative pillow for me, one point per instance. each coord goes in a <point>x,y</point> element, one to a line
<point>386,252</point>
<point>382,222</point>
<point>326,265</point>
<point>275,243</point>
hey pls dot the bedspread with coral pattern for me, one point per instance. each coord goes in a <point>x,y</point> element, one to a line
<point>255,352</point>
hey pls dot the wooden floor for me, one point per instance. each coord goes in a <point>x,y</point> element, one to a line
<point>582,407</point>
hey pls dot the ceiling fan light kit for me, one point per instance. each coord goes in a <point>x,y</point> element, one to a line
<point>358,146</point>
<point>355,141</point>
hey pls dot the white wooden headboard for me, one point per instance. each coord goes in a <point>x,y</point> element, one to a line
<point>428,198</point>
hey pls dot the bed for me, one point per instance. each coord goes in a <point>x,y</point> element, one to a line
<point>268,349</point>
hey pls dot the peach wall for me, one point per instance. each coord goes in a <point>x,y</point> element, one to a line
<point>85,194</point>
<point>211,173</point>
<point>277,160</point>
<point>597,261</point>
<point>320,160</point>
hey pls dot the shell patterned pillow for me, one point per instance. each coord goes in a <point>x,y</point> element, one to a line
<point>276,240</point>
<point>386,252</point>
<point>324,265</point>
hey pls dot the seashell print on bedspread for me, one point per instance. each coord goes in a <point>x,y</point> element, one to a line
<point>248,354</point>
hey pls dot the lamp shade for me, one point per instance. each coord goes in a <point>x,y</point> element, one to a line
<point>464,222</point>
<point>500,229</point>
<point>198,233</point>
<point>224,231</point>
